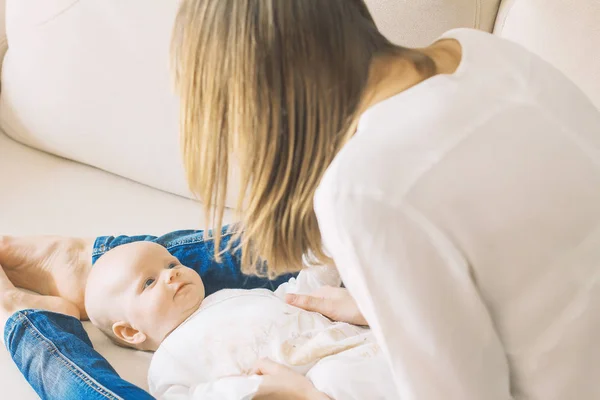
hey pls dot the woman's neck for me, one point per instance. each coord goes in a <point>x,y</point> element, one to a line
<point>393,74</point>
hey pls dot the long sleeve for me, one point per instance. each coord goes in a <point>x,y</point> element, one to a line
<point>415,290</point>
<point>169,379</point>
<point>231,388</point>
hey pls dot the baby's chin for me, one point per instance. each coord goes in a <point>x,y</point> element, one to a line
<point>189,300</point>
<point>185,311</point>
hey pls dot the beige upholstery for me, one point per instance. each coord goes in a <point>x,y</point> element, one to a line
<point>89,81</point>
<point>564,32</point>
<point>419,22</point>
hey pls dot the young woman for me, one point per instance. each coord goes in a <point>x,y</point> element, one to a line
<point>455,187</point>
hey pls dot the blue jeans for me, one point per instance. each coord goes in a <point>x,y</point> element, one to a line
<point>55,354</point>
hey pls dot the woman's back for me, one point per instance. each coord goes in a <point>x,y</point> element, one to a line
<point>483,191</point>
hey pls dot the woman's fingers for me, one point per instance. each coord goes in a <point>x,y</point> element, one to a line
<point>265,366</point>
<point>310,303</point>
<point>333,302</point>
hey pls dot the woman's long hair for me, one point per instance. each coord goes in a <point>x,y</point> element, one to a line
<point>272,86</point>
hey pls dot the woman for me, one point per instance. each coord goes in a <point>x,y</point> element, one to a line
<point>455,187</point>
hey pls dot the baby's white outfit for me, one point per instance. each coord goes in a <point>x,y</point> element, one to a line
<point>211,355</point>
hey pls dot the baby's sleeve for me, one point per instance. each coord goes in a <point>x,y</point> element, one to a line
<point>169,380</point>
<point>309,280</point>
<point>230,388</point>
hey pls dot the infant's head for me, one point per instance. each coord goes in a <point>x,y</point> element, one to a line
<point>138,293</point>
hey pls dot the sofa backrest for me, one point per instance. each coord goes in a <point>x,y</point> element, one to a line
<point>564,32</point>
<point>89,81</point>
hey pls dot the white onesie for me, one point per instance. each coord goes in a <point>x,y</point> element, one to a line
<point>211,354</point>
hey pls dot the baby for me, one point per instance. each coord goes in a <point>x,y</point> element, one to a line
<point>205,348</point>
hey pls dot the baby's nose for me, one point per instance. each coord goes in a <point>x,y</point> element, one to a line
<point>171,275</point>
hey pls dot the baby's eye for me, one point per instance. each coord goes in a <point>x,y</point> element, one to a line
<point>148,283</point>
<point>172,265</point>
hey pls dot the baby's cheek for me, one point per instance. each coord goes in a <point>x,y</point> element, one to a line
<point>161,305</point>
<point>150,307</point>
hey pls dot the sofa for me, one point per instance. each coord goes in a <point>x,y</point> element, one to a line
<point>88,120</point>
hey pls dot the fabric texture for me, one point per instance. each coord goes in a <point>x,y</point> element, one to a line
<point>480,193</point>
<point>55,353</point>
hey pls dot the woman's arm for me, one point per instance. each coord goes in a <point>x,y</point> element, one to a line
<point>415,290</point>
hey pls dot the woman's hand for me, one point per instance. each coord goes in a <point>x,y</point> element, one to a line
<point>281,383</point>
<point>335,303</point>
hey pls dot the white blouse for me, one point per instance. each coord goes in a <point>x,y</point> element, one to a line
<point>464,217</point>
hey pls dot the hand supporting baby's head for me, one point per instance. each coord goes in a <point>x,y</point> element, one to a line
<point>138,293</point>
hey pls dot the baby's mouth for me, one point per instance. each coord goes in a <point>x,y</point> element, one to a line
<point>181,286</point>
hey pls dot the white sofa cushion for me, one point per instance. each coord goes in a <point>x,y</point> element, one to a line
<point>89,81</point>
<point>565,33</point>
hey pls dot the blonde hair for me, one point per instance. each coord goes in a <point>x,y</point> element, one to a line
<point>274,85</point>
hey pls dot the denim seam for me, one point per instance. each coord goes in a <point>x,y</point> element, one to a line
<point>183,242</point>
<point>72,367</point>
<point>10,327</point>
<point>100,248</point>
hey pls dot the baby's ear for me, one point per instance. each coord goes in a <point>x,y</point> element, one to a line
<point>129,335</point>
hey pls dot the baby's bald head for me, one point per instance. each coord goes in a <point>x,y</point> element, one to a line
<point>107,279</point>
<point>138,293</point>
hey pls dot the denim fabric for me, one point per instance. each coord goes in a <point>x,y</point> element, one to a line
<point>56,357</point>
<point>55,354</point>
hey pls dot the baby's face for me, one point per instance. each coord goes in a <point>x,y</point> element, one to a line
<point>153,290</point>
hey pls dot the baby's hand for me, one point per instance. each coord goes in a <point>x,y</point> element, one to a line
<point>335,303</point>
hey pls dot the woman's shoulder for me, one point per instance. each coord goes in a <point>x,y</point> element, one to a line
<point>396,142</point>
